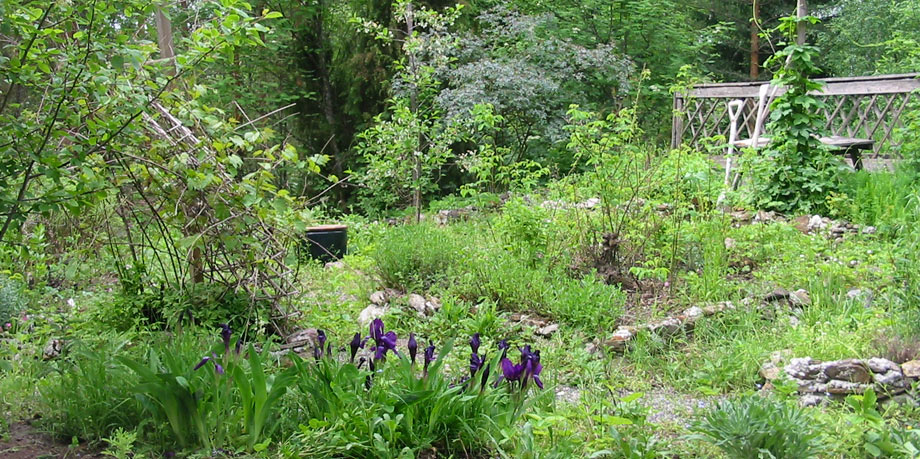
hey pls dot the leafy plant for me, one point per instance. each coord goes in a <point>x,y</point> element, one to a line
<point>12,300</point>
<point>385,405</point>
<point>795,172</point>
<point>757,427</point>
<point>416,256</point>
<point>91,395</point>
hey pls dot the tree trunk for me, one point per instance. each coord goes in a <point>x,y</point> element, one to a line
<point>801,12</point>
<point>755,40</point>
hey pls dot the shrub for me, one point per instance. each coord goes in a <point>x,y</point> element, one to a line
<point>757,427</point>
<point>12,301</point>
<point>416,256</point>
<point>92,394</point>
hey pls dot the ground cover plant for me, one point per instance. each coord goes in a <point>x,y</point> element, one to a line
<point>530,271</point>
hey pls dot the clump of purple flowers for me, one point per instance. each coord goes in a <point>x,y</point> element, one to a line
<point>528,369</point>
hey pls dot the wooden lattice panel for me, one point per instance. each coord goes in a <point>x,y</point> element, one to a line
<point>864,107</point>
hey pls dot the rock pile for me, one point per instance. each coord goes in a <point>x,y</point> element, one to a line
<point>665,327</point>
<point>820,381</point>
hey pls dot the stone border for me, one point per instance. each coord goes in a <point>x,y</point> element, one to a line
<point>821,381</point>
<point>666,327</point>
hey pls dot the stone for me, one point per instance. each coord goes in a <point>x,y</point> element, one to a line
<point>434,303</point>
<point>53,349</point>
<point>593,349</point>
<point>334,265</point>
<point>880,365</point>
<point>730,243</point>
<point>800,297</point>
<point>742,216</point>
<point>765,216</point>
<point>801,223</point>
<point>303,337</point>
<point>418,303</point>
<point>692,313</point>
<point>911,369</point>
<point>838,387</point>
<point>589,204</point>
<point>812,400</point>
<point>379,298</point>
<point>769,371</point>
<point>717,308</point>
<point>777,294</point>
<point>807,386</point>
<point>803,368</point>
<point>869,230</point>
<point>816,223</point>
<point>891,378</point>
<point>850,370</point>
<point>854,293</point>
<point>666,327</point>
<point>368,314</point>
<point>620,338</point>
<point>547,331</point>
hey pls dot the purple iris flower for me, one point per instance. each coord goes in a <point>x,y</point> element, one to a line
<point>383,342</point>
<point>321,339</point>
<point>475,342</point>
<point>511,371</point>
<point>503,346</point>
<point>429,356</point>
<point>532,368</point>
<point>211,358</point>
<point>225,334</point>
<point>485,378</point>
<point>476,362</point>
<point>354,345</point>
<point>413,347</point>
<point>203,361</point>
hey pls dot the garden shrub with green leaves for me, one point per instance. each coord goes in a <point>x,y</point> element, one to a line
<point>758,427</point>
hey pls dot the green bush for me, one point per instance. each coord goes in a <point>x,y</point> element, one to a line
<point>758,427</point>
<point>413,256</point>
<point>12,301</point>
<point>91,394</point>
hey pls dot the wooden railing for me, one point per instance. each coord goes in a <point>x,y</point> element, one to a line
<point>867,107</point>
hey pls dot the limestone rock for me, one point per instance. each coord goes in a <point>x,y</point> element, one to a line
<point>434,304</point>
<point>892,378</point>
<point>777,294</point>
<point>803,368</point>
<point>620,338</point>
<point>800,297</point>
<point>769,371</point>
<point>547,331</point>
<point>911,369</point>
<point>816,223</point>
<point>373,311</point>
<point>379,298</point>
<point>838,387</point>
<point>418,303</point>
<point>334,265</point>
<point>305,337</point>
<point>869,230</point>
<point>53,349</point>
<point>812,400</point>
<point>730,243</point>
<point>880,365</point>
<point>666,327</point>
<point>850,370</point>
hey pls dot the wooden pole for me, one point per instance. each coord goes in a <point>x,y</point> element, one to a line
<point>755,40</point>
<point>801,12</point>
